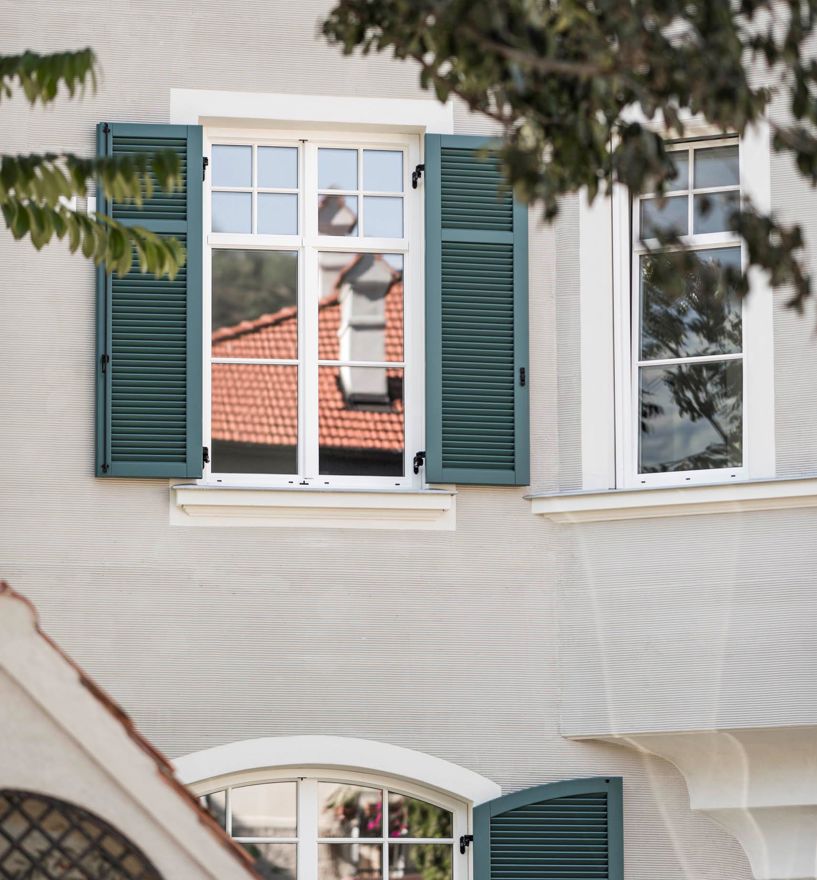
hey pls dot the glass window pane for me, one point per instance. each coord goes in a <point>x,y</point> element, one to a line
<point>688,308</point>
<point>717,166</point>
<point>274,861</point>
<point>671,217</point>
<point>232,212</point>
<point>255,299</point>
<point>278,167</point>
<point>254,419</point>
<point>265,810</point>
<point>691,417</point>
<point>713,212</point>
<point>232,165</point>
<point>360,311</point>
<point>349,810</point>
<point>360,412</point>
<point>350,861</point>
<point>383,217</point>
<point>383,170</point>
<point>420,861</point>
<point>277,214</point>
<point>337,215</point>
<point>337,169</point>
<point>216,806</point>
<point>681,179</point>
<point>411,817</point>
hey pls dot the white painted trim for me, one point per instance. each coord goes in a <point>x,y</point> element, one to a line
<point>340,753</point>
<point>200,505</point>
<point>596,331</point>
<point>208,107</point>
<point>650,502</point>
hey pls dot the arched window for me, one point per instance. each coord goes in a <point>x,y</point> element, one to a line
<point>51,839</point>
<point>340,825</point>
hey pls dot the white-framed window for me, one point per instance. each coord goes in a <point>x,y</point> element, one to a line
<point>693,369</point>
<point>313,308</point>
<point>340,825</point>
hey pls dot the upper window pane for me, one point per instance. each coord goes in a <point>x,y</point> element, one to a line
<point>686,310</point>
<point>337,215</point>
<point>717,166</point>
<point>713,212</point>
<point>232,212</point>
<point>680,180</point>
<point>277,214</point>
<point>255,296</point>
<point>671,216</point>
<point>232,165</point>
<point>383,170</point>
<point>349,810</point>
<point>266,810</point>
<point>337,169</point>
<point>411,817</point>
<point>278,167</point>
<point>383,217</point>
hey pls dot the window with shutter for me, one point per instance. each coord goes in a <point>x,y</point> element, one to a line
<point>148,390</point>
<point>476,317</point>
<point>568,830</point>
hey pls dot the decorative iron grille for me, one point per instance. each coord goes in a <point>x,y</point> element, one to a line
<point>42,838</point>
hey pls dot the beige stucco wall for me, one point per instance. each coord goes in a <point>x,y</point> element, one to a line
<point>465,644</point>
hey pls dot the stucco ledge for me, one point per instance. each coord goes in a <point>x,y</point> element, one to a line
<point>651,502</point>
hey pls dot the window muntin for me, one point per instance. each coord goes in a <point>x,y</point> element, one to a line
<point>688,376</point>
<point>325,828</point>
<point>322,319</point>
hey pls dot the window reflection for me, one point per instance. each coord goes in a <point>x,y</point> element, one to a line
<point>419,861</point>
<point>350,861</point>
<point>411,817</point>
<point>273,861</point>
<point>337,215</point>
<point>349,811</point>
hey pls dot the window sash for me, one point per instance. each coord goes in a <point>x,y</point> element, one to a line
<point>309,244</point>
<point>697,242</point>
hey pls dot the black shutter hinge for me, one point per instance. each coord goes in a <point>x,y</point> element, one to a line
<point>465,841</point>
<point>106,129</point>
<point>105,468</point>
<point>205,455</point>
<point>522,376</point>
<point>104,360</point>
<point>204,163</point>
<point>419,460</point>
<point>416,175</point>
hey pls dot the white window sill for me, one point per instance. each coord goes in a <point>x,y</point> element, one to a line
<point>647,503</point>
<point>196,505</point>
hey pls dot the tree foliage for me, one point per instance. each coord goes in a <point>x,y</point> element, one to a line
<point>36,190</point>
<point>573,83</point>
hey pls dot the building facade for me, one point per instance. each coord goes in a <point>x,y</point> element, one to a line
<point>600,567</point>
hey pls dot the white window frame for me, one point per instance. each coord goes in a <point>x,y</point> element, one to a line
<point>308,806</point>
<point>309,241</point>
<point>609,435</point>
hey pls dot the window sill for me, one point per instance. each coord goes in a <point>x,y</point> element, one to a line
<point>197,505</point>
<point>648,503</point>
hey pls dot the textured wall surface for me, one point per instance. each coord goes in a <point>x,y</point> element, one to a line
<point>462,644</point>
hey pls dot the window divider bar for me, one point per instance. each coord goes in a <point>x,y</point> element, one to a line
<point>696,359</point>
<point>268,362</point>
<point>383,364</point>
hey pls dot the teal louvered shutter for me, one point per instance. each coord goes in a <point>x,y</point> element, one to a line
<point>568,830</point>
<point>149,333</point>
<point>477,422</point>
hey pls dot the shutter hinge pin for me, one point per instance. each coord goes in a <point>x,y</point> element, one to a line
<point>522,376</point>
<point>419,460</point>
<point>204,163</point>
<point>106,129</point>
<point>465,841</point>
<point>417,174</point>
<point>104,360</point>
<point>205,455</point>
<point>105,468</point>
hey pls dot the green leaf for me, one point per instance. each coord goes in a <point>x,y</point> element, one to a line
<point>40,76</point>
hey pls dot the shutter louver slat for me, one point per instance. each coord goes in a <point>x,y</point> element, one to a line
<point>149,396</point>
<point>561,831</point>
<point>476,285</point>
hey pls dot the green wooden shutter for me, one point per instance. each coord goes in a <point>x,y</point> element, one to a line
<point>477,422</point>
<point>562,831</point>
<point>149,333</point>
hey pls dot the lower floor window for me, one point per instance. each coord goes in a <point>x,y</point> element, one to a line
<point>313,828</point>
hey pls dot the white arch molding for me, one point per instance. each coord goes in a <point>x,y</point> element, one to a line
<point>335,753</point>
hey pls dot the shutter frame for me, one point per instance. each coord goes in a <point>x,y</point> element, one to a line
<point>611,786</point>
<point>439,447</point>
<point>186,221</point>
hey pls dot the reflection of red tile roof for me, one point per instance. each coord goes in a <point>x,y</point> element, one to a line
<point>253,403</point>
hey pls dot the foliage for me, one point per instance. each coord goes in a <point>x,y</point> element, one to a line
<point>35,190</point>
<point>573,82</point>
